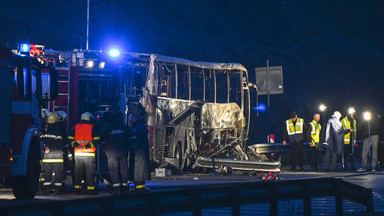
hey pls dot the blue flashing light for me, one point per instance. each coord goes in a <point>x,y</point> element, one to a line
<point>260,108</point>
<point>114,53</point>
<point>25,47</point>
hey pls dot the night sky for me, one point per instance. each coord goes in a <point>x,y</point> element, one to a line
<point>330,51</point>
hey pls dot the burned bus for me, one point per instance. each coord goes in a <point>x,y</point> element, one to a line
<point>198,113</point>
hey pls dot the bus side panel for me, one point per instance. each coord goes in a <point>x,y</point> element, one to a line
<point>5,123</point>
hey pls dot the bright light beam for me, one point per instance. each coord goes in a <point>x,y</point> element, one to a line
<point>114,53</point>
<point>367,116</point>
<point>322,108</point>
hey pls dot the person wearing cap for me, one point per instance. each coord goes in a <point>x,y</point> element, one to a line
<point>54,139</point>
<point>295,132</point>
<point>84,137</point>
<point>334,140</point>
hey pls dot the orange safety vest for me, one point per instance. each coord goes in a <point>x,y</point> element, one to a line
<point>83,137</point>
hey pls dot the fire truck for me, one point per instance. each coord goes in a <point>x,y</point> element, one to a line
<point>198,113</point>
<point>23,91</point>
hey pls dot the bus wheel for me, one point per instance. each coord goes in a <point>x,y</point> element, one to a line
<point>179,156</point>
<point>25,187</point>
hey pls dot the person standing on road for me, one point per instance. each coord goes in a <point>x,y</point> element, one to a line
<point>295,132</point>
<point>84,137</point>
<point>54,139</point>
<point>139,169</point>
<point>349,122</point>
<point>373,136</point>
<point>313,130</point>
<point>334,134</point>
<point>117,137</point>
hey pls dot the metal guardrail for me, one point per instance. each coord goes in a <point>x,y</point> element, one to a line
<point>197,198</point>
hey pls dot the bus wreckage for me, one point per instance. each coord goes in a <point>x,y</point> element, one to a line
<point>198,115</point>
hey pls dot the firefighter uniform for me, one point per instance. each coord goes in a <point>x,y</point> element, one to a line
<point>54,139</point>
<point>314,129</point>
<point>139,169</point>
<point>84,137</point>
<point>117,137</point>
<point>348,139</point>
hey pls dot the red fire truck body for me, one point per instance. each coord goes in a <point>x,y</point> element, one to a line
<point>22,94</point>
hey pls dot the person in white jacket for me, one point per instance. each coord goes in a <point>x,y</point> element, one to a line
<point>334,140</point>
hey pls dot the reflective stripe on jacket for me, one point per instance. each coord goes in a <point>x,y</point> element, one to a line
<point>295,129</point>
<point>347,125</point>
<point>84,137</point>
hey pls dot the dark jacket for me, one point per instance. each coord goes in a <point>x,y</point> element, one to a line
<point>139,154</point>
<point>117,137</point>
<point>54,138</point>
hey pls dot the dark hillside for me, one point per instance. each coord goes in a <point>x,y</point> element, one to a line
<point>331,51</point>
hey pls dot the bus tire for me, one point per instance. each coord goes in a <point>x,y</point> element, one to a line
<point>25,187</point>
<point>179,156</point>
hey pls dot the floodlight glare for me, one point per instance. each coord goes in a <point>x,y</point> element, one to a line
<point>90,63</point>
<point>322,107</point>
<point>101,65</point>
<point>367,116</point>
<point>351,110</point>
<point>114,52</point>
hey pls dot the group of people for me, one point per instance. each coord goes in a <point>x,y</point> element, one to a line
<point>331,140</point>
<point>126,148</point>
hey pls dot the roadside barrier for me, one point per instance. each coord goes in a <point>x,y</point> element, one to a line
<point>196,198</point>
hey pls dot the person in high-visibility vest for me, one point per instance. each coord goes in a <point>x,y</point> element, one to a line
<point>313,130</point>
<point>54,139</point>
<point>84,137</point>
<point>295,132</point>
<point>348,139</point>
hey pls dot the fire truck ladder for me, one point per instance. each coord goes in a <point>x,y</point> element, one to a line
<point>62,99</point>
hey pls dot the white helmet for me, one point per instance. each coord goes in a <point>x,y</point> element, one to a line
<point>87,116</point>
<point>53,117</point>
<point>62,115</point>
<point>44,113</point>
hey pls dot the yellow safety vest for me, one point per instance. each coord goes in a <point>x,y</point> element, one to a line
<point>347,125</point>
<point>315,133</point>
<point>298,129</point>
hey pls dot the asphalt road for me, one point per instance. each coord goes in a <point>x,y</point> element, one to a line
<point>320,206</point>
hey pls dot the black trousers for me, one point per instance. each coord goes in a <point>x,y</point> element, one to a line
<point>118,168</point>
<point>58,169</point>
<point>85,169</point>
<point>314,157</point>
<point>297,153</point>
